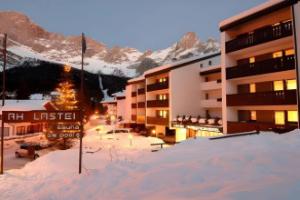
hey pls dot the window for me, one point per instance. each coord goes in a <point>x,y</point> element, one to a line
<point>252,88</point>
<point>289,52</point>
<point>162,97</point>
<point>278,85</point>
<point>209,62</point>
<point>292,116</point>
<point>201,65</point>
<point>161,80</point>
<point>277,54</point>
<point>279,118</point>
<point>291,84</point>
<point>252,60</point>
<point>163,113</point>
<point>253,115</point>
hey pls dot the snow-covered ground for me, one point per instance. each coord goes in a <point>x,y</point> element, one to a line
<point>261,166</point>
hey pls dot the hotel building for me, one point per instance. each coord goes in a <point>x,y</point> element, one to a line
<point>178,100</point>
<point>259,68</point>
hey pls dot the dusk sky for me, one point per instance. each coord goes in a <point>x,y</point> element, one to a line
<point>142,24</point>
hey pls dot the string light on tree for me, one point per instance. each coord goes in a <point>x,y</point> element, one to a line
<point>66,99</point>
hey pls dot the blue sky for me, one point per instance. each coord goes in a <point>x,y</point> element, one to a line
<point>142,24</point>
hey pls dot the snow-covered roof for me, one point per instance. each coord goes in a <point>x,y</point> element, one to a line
<point>109,101</point>
<point>181,62</point>
<point>119,94</point>
<point>23,105</point>
<point>250,12</point>
<point>139,78</point>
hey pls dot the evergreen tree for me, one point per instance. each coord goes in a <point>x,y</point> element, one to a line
<point>66,99</point>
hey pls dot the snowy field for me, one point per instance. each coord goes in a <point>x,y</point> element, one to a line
<point>264,166</point>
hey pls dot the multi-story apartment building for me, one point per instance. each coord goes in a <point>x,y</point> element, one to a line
<point>171,99</point>
<point>259,68</point>
<point>136,101</point>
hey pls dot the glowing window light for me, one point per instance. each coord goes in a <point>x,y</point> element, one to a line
<point>252,88</point>
<point>292,116</point>
<point>279,118</point>
<point>278,85</point>
<point>291,84</point>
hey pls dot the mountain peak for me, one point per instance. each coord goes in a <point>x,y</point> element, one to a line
<point>188,41</point>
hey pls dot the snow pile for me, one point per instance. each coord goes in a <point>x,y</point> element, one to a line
<point>261,166</point>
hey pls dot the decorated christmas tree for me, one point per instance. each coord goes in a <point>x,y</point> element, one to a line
<point>66,99</point>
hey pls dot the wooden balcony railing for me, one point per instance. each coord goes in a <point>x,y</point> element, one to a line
<point>141,104</point>
<point>239,127</point>
<point>133,94</point>
<point>157,121</point>
<point>157,103</point>
<point>261,67</point>
<point>133,117</point>
<point>141,91</point>
<point>157,86</point>
<point>261,35</point>
<point>284,97</point>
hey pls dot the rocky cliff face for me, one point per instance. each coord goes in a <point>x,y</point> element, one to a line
<point>29,40</point>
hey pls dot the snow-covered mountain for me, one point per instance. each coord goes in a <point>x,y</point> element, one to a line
<point>30,41</point>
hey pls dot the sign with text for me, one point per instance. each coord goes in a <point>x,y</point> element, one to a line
<point>41,116</point>
<point>62,135</point>
<point>66,127</point>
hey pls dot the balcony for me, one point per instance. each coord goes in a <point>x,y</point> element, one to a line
<point>141,104</point>
<point>259,36</point>
<point>157,103</point>
<point>141,91</point>
<point>133,117</point>
<point>157,86</point>
<point>158,121</point>
<point>133,94</point>
<point>133,105</point>
<point>261,67</point>
<point>211,103</point>
<point>211,85</point>
<point>284,97</point>
<point>240,127</point>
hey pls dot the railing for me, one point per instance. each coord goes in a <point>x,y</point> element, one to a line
<point>261,67</point>
<point>284,97</point>
<point>157,103</point>
<point>157,86</point>
<point>141,91</point>
<point>261,35</point>
<point>133,117</point>
<point>239,127</point>
<point>141,104</point>
<point>157,120</point>
<point>133,94</point>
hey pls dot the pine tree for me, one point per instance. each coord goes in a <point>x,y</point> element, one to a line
<point>66,99</point>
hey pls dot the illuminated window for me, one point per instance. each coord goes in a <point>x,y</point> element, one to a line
<point>289,52</point>
<point>161,80</point>
<point>252,60</point>
<point>252,88</point>
<point>278,85</point>
<point>162,97</point>
<point>279,118</point>
<point>163,113</point>
<point>291,84</point>
<point>253,115</point>
<point>292,116</point>
<point>277,54</point>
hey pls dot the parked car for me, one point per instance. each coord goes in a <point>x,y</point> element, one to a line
<point>27,152</point>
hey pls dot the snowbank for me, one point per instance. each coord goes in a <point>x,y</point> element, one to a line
<point>261,166</point>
